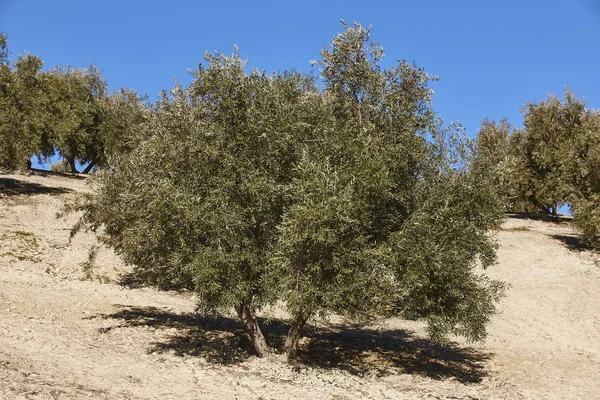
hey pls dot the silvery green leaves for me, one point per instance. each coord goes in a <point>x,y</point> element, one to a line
<point>252,188</point>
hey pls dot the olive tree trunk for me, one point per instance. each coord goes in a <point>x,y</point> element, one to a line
<point>248,318</point>
<point>293,336</point>
<point>71,161</point>
<point>89,167</point>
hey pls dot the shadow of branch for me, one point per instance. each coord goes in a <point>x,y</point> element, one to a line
<point>572,242</point>
<point>555,219</point>
<point>359,351</point>
<point>13,187</point>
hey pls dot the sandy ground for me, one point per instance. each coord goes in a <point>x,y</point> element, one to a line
<point>66,337</point>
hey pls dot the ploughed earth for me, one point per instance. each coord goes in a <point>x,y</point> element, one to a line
<point>68,335</point>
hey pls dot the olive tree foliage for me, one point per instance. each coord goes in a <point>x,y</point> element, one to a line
<point>382,221</point>
<point>87,124</point>
<point>537,169</point>
<point>551,162</point>
<point>3,48</point>
<point>22,111</point>
<point>121,114</point>
<point>73,100</point>
<point>443,237</point>
<point>553,128</point>
<point>495,157</point>
<point>197,205</point>
<point>252,189</point>
<point>502,156</point>
<point>586,199</point>
<point>66,110</point>
<point>563,147</point>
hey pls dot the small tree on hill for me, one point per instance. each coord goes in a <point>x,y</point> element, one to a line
<point>22,108</point>
<point>553,127</point>
<point>74,97</point>
<point>65,110</point>
<point>543,166</point>
<point>586,200</point>
<point>552,162</point>
<point>85,123</point>
<point>117,123</point>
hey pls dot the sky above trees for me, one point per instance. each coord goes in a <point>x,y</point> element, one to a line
<point>491,56</point>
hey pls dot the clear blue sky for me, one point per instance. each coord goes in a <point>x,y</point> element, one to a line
<point>491,56</point>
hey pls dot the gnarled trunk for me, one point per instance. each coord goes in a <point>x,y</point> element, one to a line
<point>246,314</point>
<point>71,161</point>
<point>89,167</point>
<point>293,336</point>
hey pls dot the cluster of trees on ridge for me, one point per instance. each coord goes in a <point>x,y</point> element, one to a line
<point>350,197</point>
<point>63,110</point>
<point>553,161</point>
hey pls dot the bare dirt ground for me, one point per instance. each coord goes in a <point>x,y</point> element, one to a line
<point>65,337</point>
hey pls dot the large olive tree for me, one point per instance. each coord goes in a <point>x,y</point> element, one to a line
<point>353,199</point>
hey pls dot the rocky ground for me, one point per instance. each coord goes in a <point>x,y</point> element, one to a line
<point>67,336</point>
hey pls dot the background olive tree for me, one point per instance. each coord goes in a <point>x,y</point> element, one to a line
<point>497,158</point>
<point>553,128</point>
<point>22,107</point>
<point>253,189</point>
<point>586,199</point>
<point>66,111</point>
<point>553,161</point>
<point>87,124</point>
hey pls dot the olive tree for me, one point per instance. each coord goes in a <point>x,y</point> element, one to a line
<point>22,110</point>
<point>66,110</point>
<point>562,147</point>
<point>74,105</point>
<point>553,161</point>
<point>495,157</point>
<point>372,193</point>
<point>86,124</point>
<point>251,189</point>
<point>117,128</point>
<point>3,48</point>
<point>586,200</point>
<point>541,167</point>
<point>553,127</point>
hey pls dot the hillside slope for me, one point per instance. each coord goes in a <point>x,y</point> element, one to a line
<point>65,337</point>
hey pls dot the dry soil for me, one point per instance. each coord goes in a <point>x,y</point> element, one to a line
<point>65,336</point>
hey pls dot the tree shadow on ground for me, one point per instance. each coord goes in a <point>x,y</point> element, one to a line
<point>44,172</point>
<point>572,242</point>
<point>366,352</point>
<point>13,187</point>
<point>559,219</point>
<point>359,351</point>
